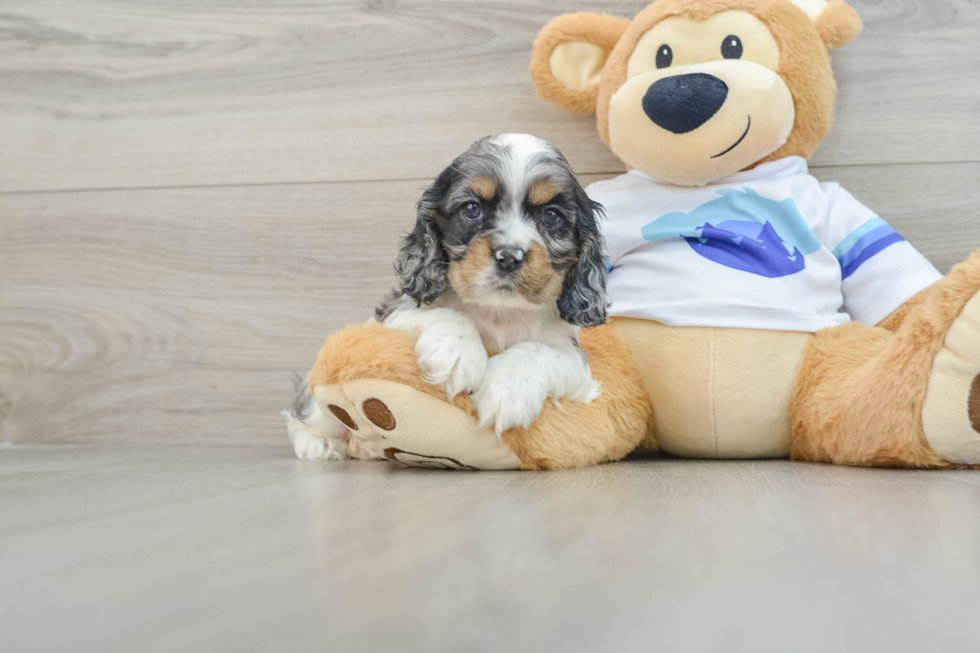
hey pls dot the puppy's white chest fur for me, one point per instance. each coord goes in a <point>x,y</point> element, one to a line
<point>503,327</point>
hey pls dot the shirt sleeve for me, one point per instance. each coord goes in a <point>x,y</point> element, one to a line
<point>880,270</point>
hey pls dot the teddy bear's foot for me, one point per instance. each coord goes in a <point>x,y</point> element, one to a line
<point>317,437</point>
<point>905,395</point>
<point>394,421</point>
<point>951,412</point>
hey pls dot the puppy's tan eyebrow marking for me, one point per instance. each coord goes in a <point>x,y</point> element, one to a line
<point>484,187</point>
<point>542,192</point>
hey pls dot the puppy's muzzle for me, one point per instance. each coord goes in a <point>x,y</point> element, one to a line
<point>682,103</point>
<point>508,259</point>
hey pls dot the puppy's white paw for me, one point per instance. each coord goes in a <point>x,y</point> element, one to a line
<point>311,447</point>
<point>511,394</point>
<point>452,357</point>
<point>314,436</point>
<point>449,349</point>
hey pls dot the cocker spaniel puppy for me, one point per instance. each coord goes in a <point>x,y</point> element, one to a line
<point>505,257</point>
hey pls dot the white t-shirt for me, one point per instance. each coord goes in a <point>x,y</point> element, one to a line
<point>769,248</point>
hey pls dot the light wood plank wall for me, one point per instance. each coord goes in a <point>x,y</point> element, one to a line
<point>194,194</point>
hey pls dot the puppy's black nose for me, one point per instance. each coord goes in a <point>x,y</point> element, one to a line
<point>682,103</point>
<point>508,258</point>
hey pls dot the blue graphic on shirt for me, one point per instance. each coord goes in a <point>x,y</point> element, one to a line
<point>863,243</point>
<point>743,231</point>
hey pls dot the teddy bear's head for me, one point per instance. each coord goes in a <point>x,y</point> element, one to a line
<point>692,91</point>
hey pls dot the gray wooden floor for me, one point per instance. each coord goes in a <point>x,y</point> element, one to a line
<point>195,193</point>
<point>193,548</point>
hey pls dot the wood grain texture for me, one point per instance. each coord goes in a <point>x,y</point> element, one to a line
<point>169,304</point>
<point>173,548</point>
<point>113,93</point>
<point>180,314</point>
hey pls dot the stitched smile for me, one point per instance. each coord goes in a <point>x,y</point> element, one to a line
<point>738,142</point>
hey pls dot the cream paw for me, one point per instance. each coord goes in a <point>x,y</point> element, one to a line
<point>951,413</point>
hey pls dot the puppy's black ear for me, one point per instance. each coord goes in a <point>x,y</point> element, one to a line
<point>423,264</point>
<point>583,297</point>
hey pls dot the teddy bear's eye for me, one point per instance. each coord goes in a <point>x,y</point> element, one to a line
<point>665,56</point>
<point>731,47</point>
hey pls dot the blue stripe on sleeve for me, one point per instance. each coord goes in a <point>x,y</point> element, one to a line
<point>866,241</point>
<point>869,251</point>
<point>863,243</point>
<point>856,235</point>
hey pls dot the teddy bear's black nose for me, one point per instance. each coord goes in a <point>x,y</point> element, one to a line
<point>683,103</point>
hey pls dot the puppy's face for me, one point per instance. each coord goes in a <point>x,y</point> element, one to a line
<point>513,228</point>
<point>508,222</point>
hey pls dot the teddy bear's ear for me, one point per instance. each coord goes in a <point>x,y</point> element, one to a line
<point>569,55</point>
<point>837,23</point>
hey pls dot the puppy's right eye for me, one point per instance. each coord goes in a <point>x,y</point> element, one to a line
<point>551,219</point>
<point>665,56</point>
<point>472,211</point>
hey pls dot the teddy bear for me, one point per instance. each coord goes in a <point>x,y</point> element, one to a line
<point>755,312</point>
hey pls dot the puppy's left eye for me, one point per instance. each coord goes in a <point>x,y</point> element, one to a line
<point>551,218</point>
<point>472,211</point>
<point>731,47</point>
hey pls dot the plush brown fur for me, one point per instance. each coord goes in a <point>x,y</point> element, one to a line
<point>895,320</point>
<point>839,24</point>
<point>860,395</point>
<point>599,29</point>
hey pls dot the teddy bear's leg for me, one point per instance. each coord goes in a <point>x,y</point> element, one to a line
<point>367,378</point>
<point>572,434</point>
<point>906,395</point>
